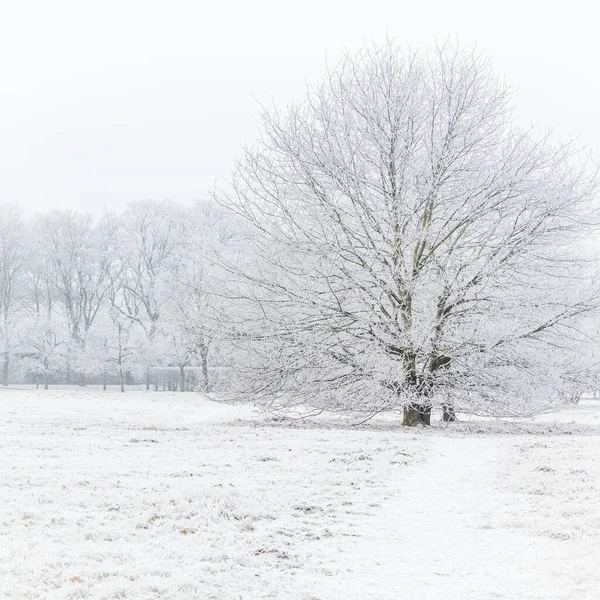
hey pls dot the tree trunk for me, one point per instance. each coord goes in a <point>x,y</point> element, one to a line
<point>104,382</point>
<point>182,378</point>
<point>148,379</point>
<point>45,380</point>
<point>5,369</point>
<point>121,381</point>
<point>449,414</point>
<point>416,414</point>
<point>81,380</point>
<point>205,383</point>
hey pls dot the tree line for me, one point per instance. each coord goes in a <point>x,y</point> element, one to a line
<point>106,298</point>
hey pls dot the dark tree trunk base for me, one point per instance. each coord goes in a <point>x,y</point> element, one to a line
<point>205,382</point>
<point>416,414</point>
<point>449,415</point>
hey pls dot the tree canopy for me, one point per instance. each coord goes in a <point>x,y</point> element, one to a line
<point>408,246</point>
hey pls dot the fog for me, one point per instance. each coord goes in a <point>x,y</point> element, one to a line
<point>133,101</point>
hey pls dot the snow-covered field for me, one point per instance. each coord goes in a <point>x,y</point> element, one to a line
<point>170,496</point>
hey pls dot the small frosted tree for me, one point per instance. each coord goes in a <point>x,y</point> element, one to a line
<point>122,344</point>
<point>43,343</point>
<point>408,247</point>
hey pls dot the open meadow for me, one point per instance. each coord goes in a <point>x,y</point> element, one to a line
<point>171,496</point>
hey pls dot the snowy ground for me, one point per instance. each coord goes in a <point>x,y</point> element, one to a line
<point>168,496</point>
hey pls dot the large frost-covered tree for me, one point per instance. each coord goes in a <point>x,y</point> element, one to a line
<point>409,247</point>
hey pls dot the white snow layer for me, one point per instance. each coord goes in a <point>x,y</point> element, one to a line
<point>170,496</point>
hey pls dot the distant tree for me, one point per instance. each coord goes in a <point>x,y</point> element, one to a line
<point>79,257</point>
<point>151,235</point>
<point>408,247</point>
<point>43,334</point>
<point>14,253</point>
<point>121,345</point>
<point>192,322</point>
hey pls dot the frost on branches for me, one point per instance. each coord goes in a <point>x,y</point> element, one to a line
<point>409,248</point>
<point>112,300</point>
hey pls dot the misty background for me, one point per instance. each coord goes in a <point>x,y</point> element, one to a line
<point>130,100</point>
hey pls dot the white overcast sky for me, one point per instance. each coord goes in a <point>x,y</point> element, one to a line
<point>109,101</point>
